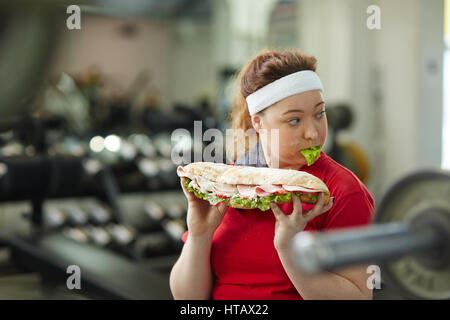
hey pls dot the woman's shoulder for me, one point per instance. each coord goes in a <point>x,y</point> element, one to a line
<point>341,180</point>
<point>354,205</point>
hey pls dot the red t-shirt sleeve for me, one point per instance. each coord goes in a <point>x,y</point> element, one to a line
<point>352,210</point>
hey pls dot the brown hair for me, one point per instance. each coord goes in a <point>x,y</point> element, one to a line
<point>266,67</point>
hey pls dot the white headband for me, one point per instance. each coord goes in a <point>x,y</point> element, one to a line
<point>289,85</point>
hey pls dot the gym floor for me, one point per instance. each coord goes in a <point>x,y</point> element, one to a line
<point>15,284</point>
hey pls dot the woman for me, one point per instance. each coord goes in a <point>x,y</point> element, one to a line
<point>244,254</point>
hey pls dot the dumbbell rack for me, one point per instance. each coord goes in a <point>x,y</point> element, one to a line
<point>105,274</point>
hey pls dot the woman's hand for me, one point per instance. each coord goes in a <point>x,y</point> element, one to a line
<point>286,226</point>
<point>202,217</point>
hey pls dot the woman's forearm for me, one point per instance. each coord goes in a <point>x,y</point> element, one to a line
<point>327,286</point>
<point>191,276</point>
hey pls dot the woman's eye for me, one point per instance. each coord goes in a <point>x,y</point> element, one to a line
<point>320,114</point>
<point>294,121</point>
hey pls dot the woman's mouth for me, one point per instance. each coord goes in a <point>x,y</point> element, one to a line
<point>311,147</point>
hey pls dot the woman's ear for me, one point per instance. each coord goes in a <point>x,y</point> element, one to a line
<point>256,122</point>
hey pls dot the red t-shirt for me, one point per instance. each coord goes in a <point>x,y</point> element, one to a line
<point>244,260</point>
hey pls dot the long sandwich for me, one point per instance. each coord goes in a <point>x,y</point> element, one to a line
<point>250,187</point>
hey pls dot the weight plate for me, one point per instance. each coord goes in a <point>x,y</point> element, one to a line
<point>416,194</point>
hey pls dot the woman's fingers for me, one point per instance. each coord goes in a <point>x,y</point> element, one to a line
<point>297,204</point>
<point>297,212</point>
<point>189,195</point>
<point>321,200</point>
<point>222,208</point>
<point>277,212</point>
<point>319,208</point>
<point>329,205</point>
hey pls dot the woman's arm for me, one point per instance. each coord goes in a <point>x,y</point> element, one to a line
<point>191,276</point>
<point>345,284</point>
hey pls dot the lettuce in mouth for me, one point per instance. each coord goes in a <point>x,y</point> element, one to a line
<point>311,154</point>
<point>261,203</point>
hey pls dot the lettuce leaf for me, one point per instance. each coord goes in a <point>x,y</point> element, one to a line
<point>311,154</point>
<point>261,203</point>
<point>186,184</point>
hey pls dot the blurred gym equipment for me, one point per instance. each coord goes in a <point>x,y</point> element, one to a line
<point>350,155</point>
<point>411,239</point>
<point>88,189</point>
<point>100,233</point>
<point>84,234</point>
<point>27,37</point>
<point>29,31</point>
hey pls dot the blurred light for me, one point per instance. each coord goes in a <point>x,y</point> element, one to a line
<point>166,165</point>
<point>163,144</point>
<point>3,169</point>
<point>445,164</point>
<point>97,144</point>
<point>92,166</point>
<point>174,227</point>
<point>144,144</point>
<point>148,167</point>
<point>112,143</point>
<point>128,150</point>
<point>30,151</point>
<point>446,19</point>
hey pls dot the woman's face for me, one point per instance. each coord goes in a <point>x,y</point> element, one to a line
<point>301,122</point>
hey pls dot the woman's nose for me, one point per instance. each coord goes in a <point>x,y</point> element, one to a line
<point>310,132</point>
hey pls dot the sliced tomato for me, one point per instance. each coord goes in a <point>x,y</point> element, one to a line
<point>221,196</point>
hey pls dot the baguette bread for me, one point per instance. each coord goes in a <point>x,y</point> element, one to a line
<point>269,176</point>
<point>246,187</point>
<point>208,170</point>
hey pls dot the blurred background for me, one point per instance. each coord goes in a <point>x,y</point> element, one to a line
<point>86,117</point>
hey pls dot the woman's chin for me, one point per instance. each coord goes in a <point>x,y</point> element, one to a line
<point>294,163</point>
